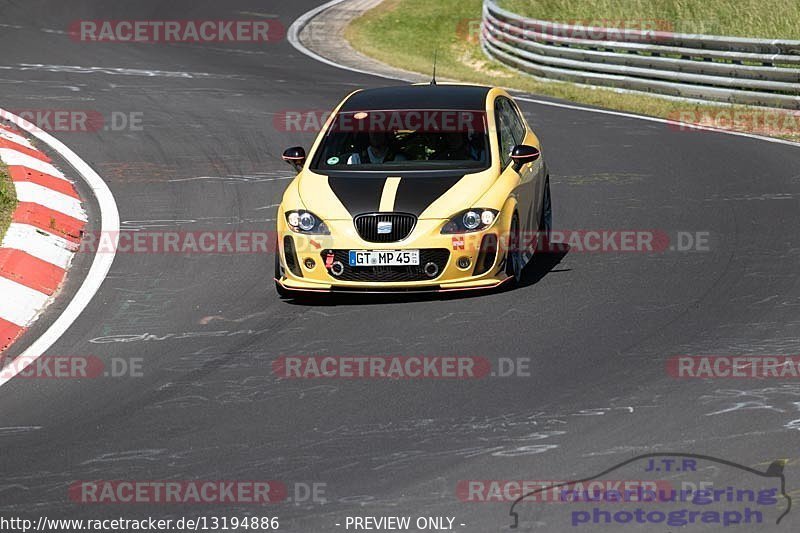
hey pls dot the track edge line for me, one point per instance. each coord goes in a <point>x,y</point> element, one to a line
<point>101,264</point>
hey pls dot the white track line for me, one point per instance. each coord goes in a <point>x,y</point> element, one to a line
<point>685,126</point>
<point>100,265</point>
<point>48,247</point>
<point>293,35</point>
<point>37,194</point>
<point>14,138</point>
<point>14,293</point>
<point>12,157</point>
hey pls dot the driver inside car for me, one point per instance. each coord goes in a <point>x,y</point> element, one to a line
<point>378,151</point>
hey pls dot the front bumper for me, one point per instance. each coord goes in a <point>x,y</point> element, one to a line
<point>384,288</point>
<point>307,261</point>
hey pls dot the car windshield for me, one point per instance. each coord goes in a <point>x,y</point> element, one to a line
<point>405,140</point>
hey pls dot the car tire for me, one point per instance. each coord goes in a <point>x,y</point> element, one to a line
<point>282,291</point>
<point>514,263</point>
<point>545,220</point>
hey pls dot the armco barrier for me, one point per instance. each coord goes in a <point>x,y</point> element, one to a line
<point>727,69</point>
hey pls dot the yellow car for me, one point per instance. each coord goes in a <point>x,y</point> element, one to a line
<point>414,188</point>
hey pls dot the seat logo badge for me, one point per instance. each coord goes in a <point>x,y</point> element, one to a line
<point>384,228</point>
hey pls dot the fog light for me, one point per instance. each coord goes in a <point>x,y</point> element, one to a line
<point>309,263</point>
<point>431,270</point>
<point>463,263</point>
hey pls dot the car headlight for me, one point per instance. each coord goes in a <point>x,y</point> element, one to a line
<point>306,222</point>
<point>475,219</point>
<point>471,220</point>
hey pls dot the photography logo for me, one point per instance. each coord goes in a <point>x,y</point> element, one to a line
<point>690,492</point>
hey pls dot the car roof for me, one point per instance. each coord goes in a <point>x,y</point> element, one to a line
<point>458,97</point>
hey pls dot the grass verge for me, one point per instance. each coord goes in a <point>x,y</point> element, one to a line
<point>768,19</point>
<point>405,34</point>
<point>8,200</point>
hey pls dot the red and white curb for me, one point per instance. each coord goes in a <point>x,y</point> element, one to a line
<point>101,264</point>
<point>42,239</point>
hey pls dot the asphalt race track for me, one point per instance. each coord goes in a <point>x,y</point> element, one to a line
<point>598,328</point>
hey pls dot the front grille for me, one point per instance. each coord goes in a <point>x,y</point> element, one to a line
<point>402,225</point>
<point>437,256</point>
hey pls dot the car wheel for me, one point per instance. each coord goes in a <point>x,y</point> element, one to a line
<point>514,264</point>
<point>281,290</point>
<point>545,220</point>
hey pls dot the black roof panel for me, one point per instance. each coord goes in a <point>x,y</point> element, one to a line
<point>467,97</point>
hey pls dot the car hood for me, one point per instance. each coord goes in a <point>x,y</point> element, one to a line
<point>428,195</point>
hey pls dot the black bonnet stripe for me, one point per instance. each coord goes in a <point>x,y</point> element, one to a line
<point>358,195</point>
<point>414,195</point>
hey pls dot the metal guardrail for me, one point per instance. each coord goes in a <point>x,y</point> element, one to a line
<point>726,69</point>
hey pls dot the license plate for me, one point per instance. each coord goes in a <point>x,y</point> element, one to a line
<point>384,257</point>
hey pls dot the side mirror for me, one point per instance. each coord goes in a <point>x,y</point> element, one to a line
<point>295,156</point>
<point>522,154</point>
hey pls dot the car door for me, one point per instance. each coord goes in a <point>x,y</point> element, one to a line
<point>533,175</point>
<point>511,132</point>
